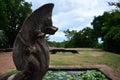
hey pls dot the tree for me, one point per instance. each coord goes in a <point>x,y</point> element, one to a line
<point>102,24</point>
<point>2,40</point>
<point>117,4</point>
<point>69,34</point>
<point>83,38</point>
<point>107,26</point>
<point>56,44</point>
<point>3,22</point>
<point>112,40</point>
<point>16,11</point>
<point>3,14</point>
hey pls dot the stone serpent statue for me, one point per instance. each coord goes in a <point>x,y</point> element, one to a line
<point>30,49</point>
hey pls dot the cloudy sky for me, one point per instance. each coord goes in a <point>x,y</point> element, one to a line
<point>73,14</point>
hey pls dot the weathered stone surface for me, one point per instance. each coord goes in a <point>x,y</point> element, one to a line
<point>30,50</point>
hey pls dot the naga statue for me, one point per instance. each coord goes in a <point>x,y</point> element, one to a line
<point>30,49</point>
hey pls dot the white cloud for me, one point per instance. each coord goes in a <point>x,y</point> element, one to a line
<point>59,36</point>
<point>73,14</point>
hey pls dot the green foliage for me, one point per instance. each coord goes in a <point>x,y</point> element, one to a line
<point>12,17</point>
<point>102,24</point>
<point>93,75</point>
<point>107,27</point>
<point>12,72</point>
<point>73,75</point>
<point>112,40</point>
<point>3,40</point>
<point>56,44</point>
<point>3,14</point>
<point>69,34</point>
<point>83,38</point>
<point>66,75</point>
<point>99,45</point>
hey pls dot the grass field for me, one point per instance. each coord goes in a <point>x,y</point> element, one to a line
<point>87,56</point>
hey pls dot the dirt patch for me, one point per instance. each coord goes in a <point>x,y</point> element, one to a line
<point>6,62</point>
<point>96,54</point>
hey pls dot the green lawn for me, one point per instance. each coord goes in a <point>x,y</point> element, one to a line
<point>87,56</point>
